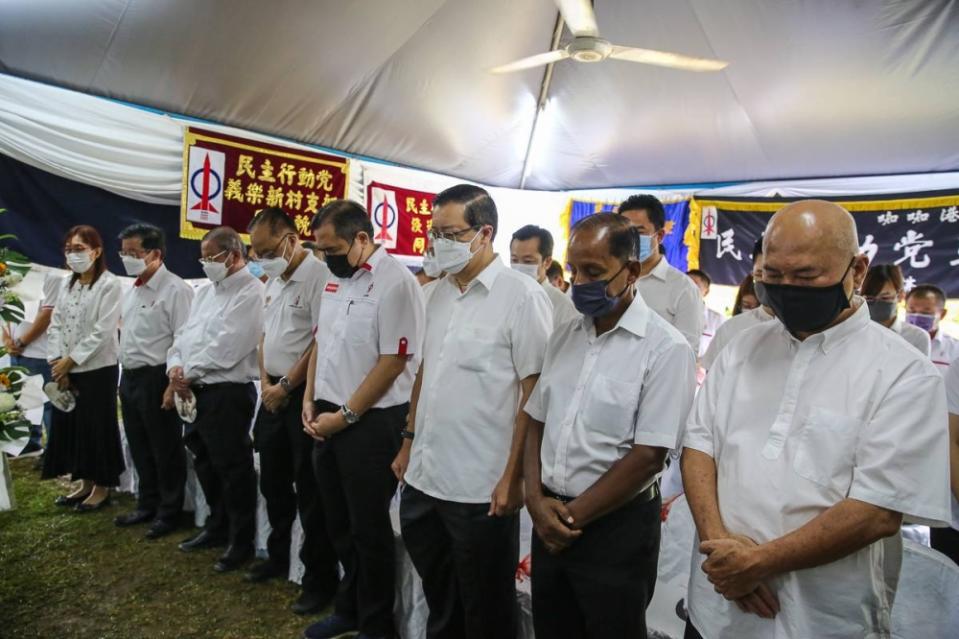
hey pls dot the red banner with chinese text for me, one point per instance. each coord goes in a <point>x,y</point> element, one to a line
<point>401,219</point>
<point>226,180</point>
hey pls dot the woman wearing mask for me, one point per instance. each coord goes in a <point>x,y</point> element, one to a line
<point>746,299</point>
<point>883,290</point>
<point>82,350</point>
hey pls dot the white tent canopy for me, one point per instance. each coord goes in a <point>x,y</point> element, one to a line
<point>813,89</point>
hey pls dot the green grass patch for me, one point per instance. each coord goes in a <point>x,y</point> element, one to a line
<point>66,575</point>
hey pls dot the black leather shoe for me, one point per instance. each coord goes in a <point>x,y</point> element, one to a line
<point>311,603</point>
<point>204,539</point>
<point>64,500</point>
<point>134,518</point>
<point>89,508</point>
<point>160,528</point>
<point>234,558</point>
<point>266,570</point>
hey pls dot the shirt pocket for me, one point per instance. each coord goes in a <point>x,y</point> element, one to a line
<point>360,321</point>
<point>825,450</point>
<point>610,407</point>
<point>475,348</point>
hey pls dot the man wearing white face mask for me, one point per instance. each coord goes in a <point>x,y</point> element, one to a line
<point>291,314</point>
<point>213,359</point>
<point>152,312</point>
<point>486,333</point>
<point>531,252</point>
<point>665,289</point>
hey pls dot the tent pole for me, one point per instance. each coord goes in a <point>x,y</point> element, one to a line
<point>541,102</point>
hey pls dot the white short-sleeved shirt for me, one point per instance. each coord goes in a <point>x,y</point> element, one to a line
<point>479,345</point>
<point>676,298</point>
<point>152,314</point>
<point>912,334</point>
<point>795,428</point>
<point>598,396</point>
<point>290,313</point>
<point>712,320</point>
<point>952,401</point>
<point>37,349</point>
<point>377,311</point>
<point>563,308</point>
<point>85,323</point>
<point>730,329</point>
<point>944,349</point>
<point>218,341</point>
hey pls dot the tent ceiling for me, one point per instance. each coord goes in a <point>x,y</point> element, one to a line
<point>814,88</point>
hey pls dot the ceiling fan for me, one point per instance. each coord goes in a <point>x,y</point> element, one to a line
<point>588,47</point>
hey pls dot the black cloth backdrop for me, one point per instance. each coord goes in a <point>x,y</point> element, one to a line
<point>41,207</point>
<point>921,234</point>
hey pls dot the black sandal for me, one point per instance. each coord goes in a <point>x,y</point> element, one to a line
<point>66,500</point>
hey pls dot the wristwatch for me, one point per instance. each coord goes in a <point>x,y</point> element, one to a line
<point>348,415</point>
<point>285,385</point>
<point>407,434</point>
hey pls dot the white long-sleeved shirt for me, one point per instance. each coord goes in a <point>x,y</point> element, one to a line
<point>218,342</point>
<point>85,322</point>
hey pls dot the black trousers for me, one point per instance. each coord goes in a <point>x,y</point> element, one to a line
<point>601,585</point>
<point>356,486</point>
<point>156,442</point>
<point>223,458</point>
<point>467,561</point>
<point>946,541</point>
<point>691,632</point>
<point>289,485</point>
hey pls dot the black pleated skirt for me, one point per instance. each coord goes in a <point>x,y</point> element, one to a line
<point>85,443</point>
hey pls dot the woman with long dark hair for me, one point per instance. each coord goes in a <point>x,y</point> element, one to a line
<point>746,298</point>
<point>885,290</point>
<point>82,349</point>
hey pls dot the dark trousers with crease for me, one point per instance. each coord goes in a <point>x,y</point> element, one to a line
<point>223,458</point>
<point>600,586</point>
<point>467,561</point>
<point>946,541</point>
<point>155,437</point>
<point>289,486</point>
<point>356,486</point>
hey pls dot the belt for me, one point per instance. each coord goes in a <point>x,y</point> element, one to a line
<point>647,495</point>
<point>199,388</point>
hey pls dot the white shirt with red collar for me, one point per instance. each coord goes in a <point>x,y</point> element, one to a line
<point>943,350</point>
<point>377,311</point>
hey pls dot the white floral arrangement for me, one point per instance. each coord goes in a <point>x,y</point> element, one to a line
<point>14,427</point>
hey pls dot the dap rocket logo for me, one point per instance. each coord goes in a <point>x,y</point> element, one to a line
<point>205,186</point>
<point>385,216</point>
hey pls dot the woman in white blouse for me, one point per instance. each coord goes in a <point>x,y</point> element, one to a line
<point>82,349</point>
<point>884,290</point>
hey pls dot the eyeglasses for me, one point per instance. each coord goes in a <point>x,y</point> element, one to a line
<point>211,259</point>
<point>135,254</point>
<point>271,254</point>
<point>452,235</point>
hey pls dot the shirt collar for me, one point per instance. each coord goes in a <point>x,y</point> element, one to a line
<point>486,277</point>
<point>300,273</point>
<point>154,282</point>
<point>375,258</point>
<point>635,319</point>
<point>235,281</point>
<point>836,335</point>
<point>659,271</point>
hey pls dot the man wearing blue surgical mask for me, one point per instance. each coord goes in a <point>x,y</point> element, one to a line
<point>666,290</point>
<point>486,332</point>
<point>612,399</point>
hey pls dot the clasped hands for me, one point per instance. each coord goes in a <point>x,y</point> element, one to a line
<point>734,566</point>
<point>321,426</point>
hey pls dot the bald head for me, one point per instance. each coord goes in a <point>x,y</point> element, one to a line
<point>814,223</point>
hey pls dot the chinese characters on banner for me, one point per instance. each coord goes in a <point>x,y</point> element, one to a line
<point>226,180</point>
<point>918,232</point>
<point>401,220</point>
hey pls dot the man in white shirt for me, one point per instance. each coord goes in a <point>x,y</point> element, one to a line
<point>26,343</point>
<point>287,482</point>
<point>356,401</point>
<point>554,273</point>
<point>214,357</point>
<point>153,310</point>
<point>530,252</point>
<point>926,308</point>
<point>712,319</point>
<point>747,319</point>
<point>946,540</point>
<point>486,332</point>
<point>612,399</point>
<point>810,439</point>
<point>665,289</point>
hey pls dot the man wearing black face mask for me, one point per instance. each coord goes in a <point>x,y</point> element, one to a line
<point>808,442</point>
<point>356,400</point>
<point>612,399</point>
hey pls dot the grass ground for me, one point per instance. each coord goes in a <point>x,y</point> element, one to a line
<point>66,575</point>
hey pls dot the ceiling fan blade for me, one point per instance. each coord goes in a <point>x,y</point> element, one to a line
<point>537,60</point>
<point>665,59</point>
<point>579,17</point>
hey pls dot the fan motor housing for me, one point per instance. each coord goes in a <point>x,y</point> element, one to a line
<point>588,49</point>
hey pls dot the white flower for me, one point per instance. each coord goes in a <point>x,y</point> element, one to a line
<point>13,278</point>
<point>7,402</point>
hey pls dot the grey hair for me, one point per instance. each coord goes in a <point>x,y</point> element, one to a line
<point>226,239</point>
